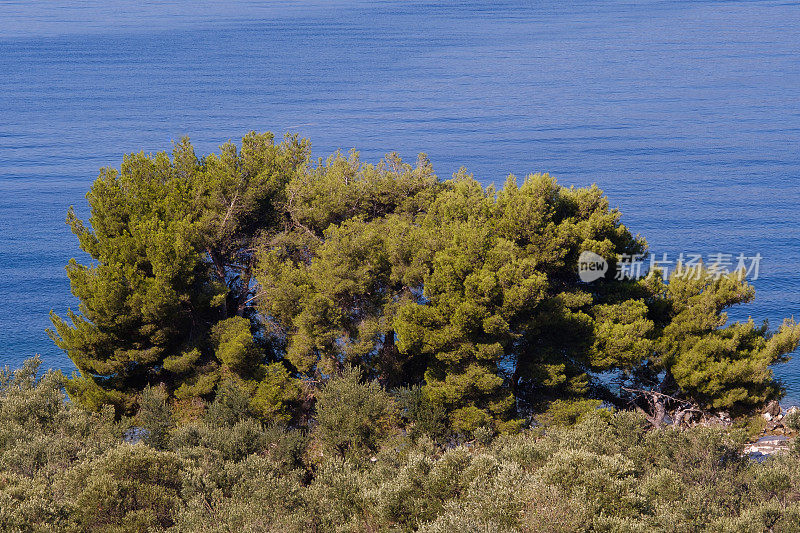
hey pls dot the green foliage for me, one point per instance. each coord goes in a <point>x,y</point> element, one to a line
<point>154,416</point>
<point>231,404</point>
<point>63,468</point>
<point>234,345</point>
<point>568,412</point>
<point>276,394</point>
<point>170,244</point>
<point>42,435</point>
<point>130,488</point>
<point>450,291</point>
<point>353,416</point>
<point>754,425</point>
<point>256,267</point>
<point>38,430</point>
<point>251,495</point>
<point>331,284</point>
<point>792,420</point>
<point>423,416</point>
<point>720,366</point>
<point>501,288</point>
<point>605,481</point>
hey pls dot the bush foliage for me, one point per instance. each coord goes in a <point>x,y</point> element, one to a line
<point>64,468</point>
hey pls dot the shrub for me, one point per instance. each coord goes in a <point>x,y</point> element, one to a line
<point>129,488</point>
<point>155,416</point>
<point>791,420</point>
<point>568,412</point>
<point>422,416</point>
<point>352,417</point>
<point>605,481</point>
<point>231,405</point>
<point>65,469</point>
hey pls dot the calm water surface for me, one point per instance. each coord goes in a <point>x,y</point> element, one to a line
<point>686,113</point>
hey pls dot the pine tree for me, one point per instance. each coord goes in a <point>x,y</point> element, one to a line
<point>171,245</point>
<point>252,269</point>
<point>715,364</point>
<point>504,314</point>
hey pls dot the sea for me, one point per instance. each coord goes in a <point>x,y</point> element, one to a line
<point>687,114</point>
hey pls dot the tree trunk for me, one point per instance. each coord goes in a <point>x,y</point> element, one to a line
<point>678,417</point>
<point>389,363</point>
<point>219,268</point>
<point>244,290</point>
<point>660,413</point>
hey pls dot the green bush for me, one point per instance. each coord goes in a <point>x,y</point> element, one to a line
<point>423,417</point>
<point>65,469</point>
<point>568,412</point>
<point>129,488</point>
<point>155,416</point>
<point>231,405</point>
<point>352,417</point>
<point>792,419</point>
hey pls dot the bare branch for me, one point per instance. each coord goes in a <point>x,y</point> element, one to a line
<point>228,213</point>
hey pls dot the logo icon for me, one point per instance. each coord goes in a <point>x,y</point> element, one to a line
<point>591,266</point>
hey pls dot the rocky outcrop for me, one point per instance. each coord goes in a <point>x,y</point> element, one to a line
<point>767,446</point>
<point>776,437</point>
<point>773,409</point>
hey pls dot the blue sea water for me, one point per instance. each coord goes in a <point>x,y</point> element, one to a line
<point>687,113</point>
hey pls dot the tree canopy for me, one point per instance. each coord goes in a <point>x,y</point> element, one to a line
<point>261,269</point>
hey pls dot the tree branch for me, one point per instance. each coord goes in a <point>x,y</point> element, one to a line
<point>228,213</point>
